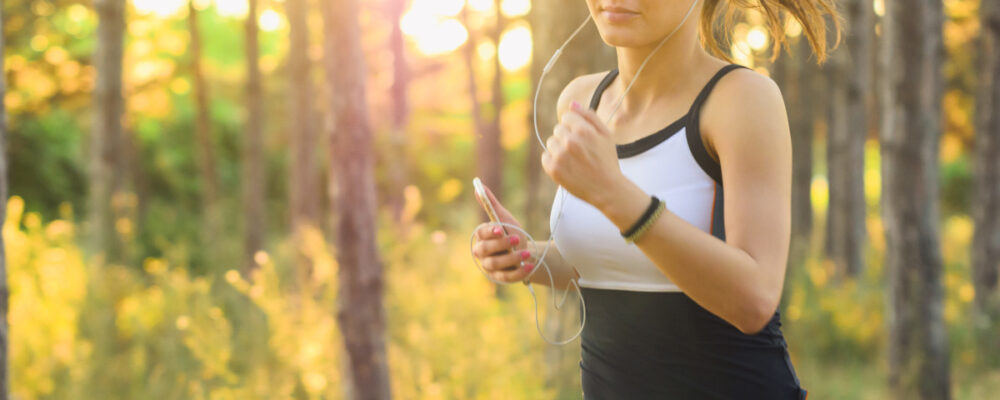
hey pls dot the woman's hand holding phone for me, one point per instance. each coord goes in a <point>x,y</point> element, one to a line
<point>499,252</point>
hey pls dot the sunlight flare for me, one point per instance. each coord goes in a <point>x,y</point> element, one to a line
<point>515,48</point>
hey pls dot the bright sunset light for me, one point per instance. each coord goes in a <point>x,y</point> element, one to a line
<point>231,8</point>
<point>757,38</point>
<point>515,48</point>
<point>160,8</point>
<point>270,20</point>
<point>515,8</point>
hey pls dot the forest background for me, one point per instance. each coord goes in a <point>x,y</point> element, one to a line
<point>271,199</point>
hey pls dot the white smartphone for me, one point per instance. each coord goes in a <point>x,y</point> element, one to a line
<point>484,200</point>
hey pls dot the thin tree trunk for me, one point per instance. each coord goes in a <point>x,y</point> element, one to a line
<point>4,289</point>
<point>791,72</point>
<point>469,57</point>
<point>488,150</point>
<point>787,73</point>
<point>361,316</point>
<point>846,232</point>
<point>203,134</point>
<point>106,138</point>
<point>986,204</point>
<point>253,157</point>
<point>553,21</point>
<point>304,179</point>
<point>400,110</point>
<point>491,153</point>
<point>986,190</point>
<point>911,105</point>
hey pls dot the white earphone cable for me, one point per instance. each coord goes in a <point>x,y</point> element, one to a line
<point>541,258</point>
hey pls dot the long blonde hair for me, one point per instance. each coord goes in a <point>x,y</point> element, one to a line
<point>810,14</point>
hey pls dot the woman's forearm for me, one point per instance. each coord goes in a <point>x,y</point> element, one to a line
<point>721,278</point>
<point>562,272</point>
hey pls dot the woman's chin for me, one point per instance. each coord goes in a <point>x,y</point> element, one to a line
<point>621,38</point>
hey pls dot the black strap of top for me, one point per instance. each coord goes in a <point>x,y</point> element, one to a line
<point>596,98</point>
<point>711,84</point>
<point>707,163</point>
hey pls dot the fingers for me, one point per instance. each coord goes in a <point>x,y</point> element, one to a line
<point>488,231</point>
<point>576,124</point>
<point>506,261</point>
<point>496,246</point>
<point>513,276</point>
<point>586,115</point>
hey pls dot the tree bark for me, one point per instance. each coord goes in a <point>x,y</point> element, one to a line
<point>400,110</point>
<point>361,316</point>
<point>491,153</point>
<point>203,134</point>
<point>304,179</point>
<point>986,189</point>
<point>986,197</point>
<point>788,74</point>
<point>479,124</point>
<point>4,289</point>
<point>796,74</point>
<point>553,21</point>
<point>106,138</point>
<point>850,81</point>
<point>253,152</point>
<point>911,106</point>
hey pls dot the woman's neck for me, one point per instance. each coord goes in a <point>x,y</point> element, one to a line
<point>666,72</point>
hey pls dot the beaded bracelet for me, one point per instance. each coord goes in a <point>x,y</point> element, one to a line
<point>652,212</point>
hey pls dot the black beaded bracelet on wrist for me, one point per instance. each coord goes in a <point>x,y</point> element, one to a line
<point>654,204</point>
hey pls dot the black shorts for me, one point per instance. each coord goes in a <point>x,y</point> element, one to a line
<point>663,345</point>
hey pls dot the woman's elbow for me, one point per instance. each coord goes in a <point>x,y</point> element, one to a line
<point>756,315</point>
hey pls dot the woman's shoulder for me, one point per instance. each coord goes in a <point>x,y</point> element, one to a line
<point>580,89</point>
<point>745,103</point>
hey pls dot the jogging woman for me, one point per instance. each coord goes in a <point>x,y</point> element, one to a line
<point>676,218</point>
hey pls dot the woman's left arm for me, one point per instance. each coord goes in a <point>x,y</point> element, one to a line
<point>739,279</point>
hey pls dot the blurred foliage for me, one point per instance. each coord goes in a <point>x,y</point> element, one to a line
<point>91,330</point>
<point>168,324</point>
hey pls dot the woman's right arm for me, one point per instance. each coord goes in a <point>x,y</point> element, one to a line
<point>562,272</point>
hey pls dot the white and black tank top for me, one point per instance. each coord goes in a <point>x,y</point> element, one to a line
<point>644,338</point>
<point>671,164</point>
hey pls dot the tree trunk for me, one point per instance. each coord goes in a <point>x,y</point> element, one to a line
<point>203,135</point>
<point>986,190</point>
<point>850,81</point>
<point>400,110</point>
<point>911,105</point>
<point>361,316</point>
<point>4,289</point>
<point>304,179</point>
<point>253,152</point>
<point>552,22</point>
<point>469,57</point>
<point>106,138</point>
<point>787,73</point>
<point>795,73</point>
<point>491,153</point>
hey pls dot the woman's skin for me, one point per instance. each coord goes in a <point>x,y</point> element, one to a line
<point>743,123</point>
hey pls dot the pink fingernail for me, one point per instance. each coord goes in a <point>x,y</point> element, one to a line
<point>528,267</point>
<point>514,240</point>
<point>575,105</point>
<point>497,230</point>
<point>525,254</point>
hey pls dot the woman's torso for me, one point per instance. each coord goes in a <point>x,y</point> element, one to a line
<point>644,338</point>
